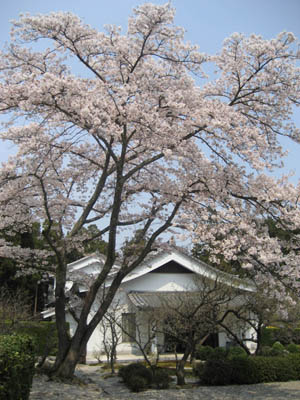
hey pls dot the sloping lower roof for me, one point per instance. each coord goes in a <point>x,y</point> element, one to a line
<point>149,300</point>
<point>146,300</point>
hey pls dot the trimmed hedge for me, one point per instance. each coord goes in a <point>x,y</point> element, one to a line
<point>205,353</point>
<point>217,372</point>
<point>250,370</point>
<point>16,367</point>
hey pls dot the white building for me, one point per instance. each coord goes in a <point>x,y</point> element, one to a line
<point>166,274</point>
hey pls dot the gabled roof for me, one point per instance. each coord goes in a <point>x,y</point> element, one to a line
<point>90,260</point>
<point>154,262</point>
<point>151,264</point>
<point>190,263</point>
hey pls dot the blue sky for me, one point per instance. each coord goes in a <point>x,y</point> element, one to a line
<point>207,23</point>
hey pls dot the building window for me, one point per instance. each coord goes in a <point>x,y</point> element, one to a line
<point>128,327</point>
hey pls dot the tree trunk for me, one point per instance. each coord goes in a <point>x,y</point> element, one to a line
<point>258,338</point>
<point>71,350</point>
<point>65,366</point>
<point>180,374</point>
<point>112,361</point>
<point>180,367</point>
<point>82,358</point>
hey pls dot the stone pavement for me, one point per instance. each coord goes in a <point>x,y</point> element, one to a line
<point>97,387</point>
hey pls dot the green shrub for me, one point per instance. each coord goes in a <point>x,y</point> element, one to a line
<point>44,334</point>
<point>277,349</point>
<point>122,372</point>
<point>137,383</point>
<point>244,371</point>
<point>161,379</point>
<point>135,369</point>
<point>266,351</point>
<point>198,370</point>
<point>16,367</point>
<point>268,336</point>
<point>276,369</point>
<point>219,353</point>
<point>294,361</point>
<point>293,348</point>
<point>236,352</point>
<point>278,346</point>
<point>217,372</point>
<point>203,352</point>
<point>131,374</point>
<point>284,335</point>
<point>250,370</point>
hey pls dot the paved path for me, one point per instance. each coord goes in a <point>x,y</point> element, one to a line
<point>112,388</point>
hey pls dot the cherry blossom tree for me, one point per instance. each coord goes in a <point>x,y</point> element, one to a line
<point>125,131</point>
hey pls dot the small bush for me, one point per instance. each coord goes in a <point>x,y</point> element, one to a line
<point>122,372</point>
<point>131,374</point>
<point>236,352</point>
<point>198,370</point>
<point>16,367</point>
<point>135,369</point>
<point>278,346</point>
<point>203,352</point>
<point>161,379</point>
<point>277,349</point>
<point>137,383</point>
<point>293,348</point>
<point>219,353</point>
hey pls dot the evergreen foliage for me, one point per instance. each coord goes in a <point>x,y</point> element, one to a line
<point>16,367</point>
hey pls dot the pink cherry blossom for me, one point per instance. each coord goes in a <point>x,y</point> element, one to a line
<point>124,131</point>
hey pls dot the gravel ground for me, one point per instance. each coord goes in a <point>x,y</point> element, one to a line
<point>112,388</point>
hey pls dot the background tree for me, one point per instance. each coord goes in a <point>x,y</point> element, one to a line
<point>15,308</point>
<point>137,144</point>
<point>109,328</point>
<point>12,276</point>
<point>189,317</point>
<point>257,310</point>
<point>144,334</point>
<point>32,283</point>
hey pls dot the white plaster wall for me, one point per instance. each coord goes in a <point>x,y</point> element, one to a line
<point>223,339</point>
<point>148,282</point>
<point>251,333</point>
<point>72,323</point>
<point>161,282</point>
<point>95,343</point>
